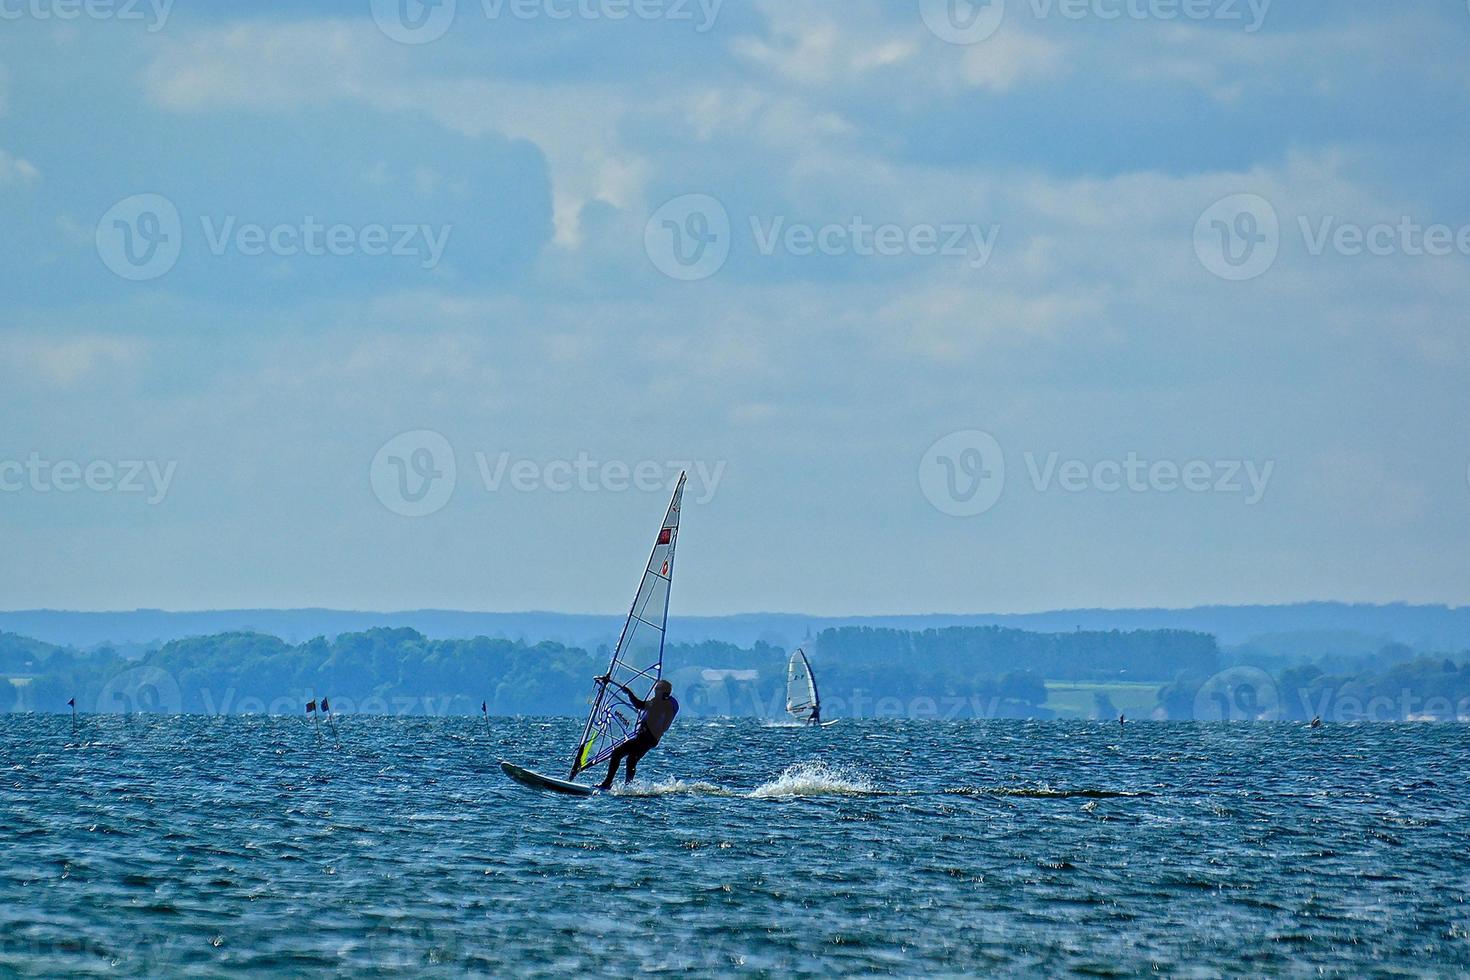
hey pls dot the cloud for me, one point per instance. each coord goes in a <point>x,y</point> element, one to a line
<point>14,170</point>
<point>27,357</point>
<point>279,67</point>
<point>262,65</point>
<point>1009,58</point>
<point>807,45</point>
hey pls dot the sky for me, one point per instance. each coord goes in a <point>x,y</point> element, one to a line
<point>1002,307</point>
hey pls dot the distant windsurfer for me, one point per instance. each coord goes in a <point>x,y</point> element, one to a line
<point>816,715</point>
<point>657,715</point>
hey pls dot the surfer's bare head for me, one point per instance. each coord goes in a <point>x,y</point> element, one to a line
<point>663,688</point>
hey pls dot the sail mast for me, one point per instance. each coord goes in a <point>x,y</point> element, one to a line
<point>613,719</point>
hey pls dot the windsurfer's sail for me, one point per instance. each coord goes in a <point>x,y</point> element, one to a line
<point>802,701</point>
<point>638,660</point>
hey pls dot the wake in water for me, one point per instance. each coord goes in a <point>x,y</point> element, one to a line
<point>807,779</point>
<point>801,779</point>
<point>1045,793</point>
<point>673,787</point>
<point>814,779</point>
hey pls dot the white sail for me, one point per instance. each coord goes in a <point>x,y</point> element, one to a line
<point>802,701</point>
<point>639,658</point>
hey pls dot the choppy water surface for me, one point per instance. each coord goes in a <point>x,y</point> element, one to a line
<point>150,846</point>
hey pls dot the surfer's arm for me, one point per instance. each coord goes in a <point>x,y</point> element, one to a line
<point>633,699</point>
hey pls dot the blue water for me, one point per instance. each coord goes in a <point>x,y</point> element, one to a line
<point>146,846</point>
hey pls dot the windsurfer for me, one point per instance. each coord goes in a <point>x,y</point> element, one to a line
<point>657,715</point>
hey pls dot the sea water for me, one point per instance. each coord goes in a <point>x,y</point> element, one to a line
<point>221,846</point>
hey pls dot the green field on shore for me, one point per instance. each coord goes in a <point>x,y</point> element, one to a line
<point>1136,699</point>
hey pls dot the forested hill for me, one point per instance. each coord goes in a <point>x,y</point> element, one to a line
<point>1347,626</point>
<point>955,672</point>
<point>1077,655</point>
<point>990,670</point>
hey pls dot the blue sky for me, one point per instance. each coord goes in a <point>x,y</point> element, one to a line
<point>1186,246</point>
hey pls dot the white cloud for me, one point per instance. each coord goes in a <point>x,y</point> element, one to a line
<point>1009,58</point>
<point>28,358</point>
<point>282,66</point>
<point>806,45</point>
<point>15,170</point>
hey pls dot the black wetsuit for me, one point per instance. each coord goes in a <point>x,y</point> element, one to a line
<point>658,715</point>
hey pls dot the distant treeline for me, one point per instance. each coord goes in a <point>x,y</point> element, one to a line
<point>1077,656</point>
<point>955,672</point>
<point>958,672</point>
<point>1423,688</point>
